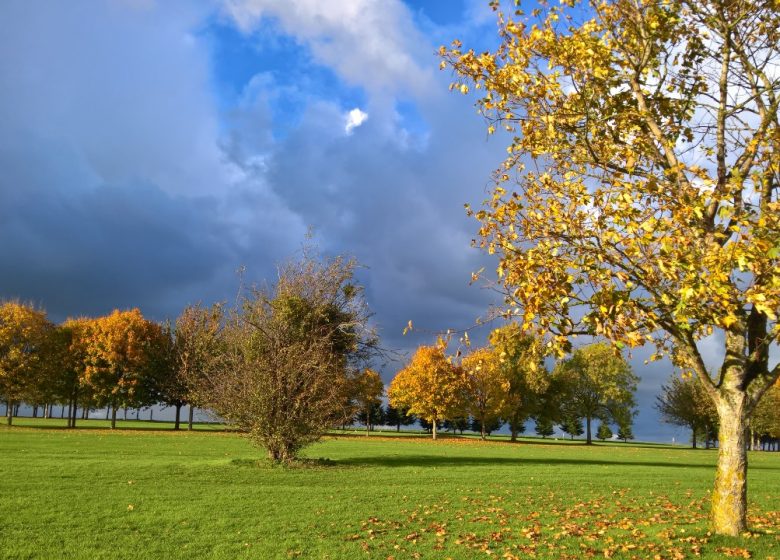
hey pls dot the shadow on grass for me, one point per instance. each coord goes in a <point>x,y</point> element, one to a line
<point>122,426</point>
<point>300,463</point>
<point>443,461</point>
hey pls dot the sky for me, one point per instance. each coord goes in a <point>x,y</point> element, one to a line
<point>150,149</point>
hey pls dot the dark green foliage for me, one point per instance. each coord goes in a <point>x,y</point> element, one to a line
<point>625,433</point>
<point>572,426</point>
<point>376,416</point>
<point>544,427</point>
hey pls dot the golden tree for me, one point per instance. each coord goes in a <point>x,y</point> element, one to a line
<point>486,386</point>
<point>122,353</point>
<point>24,331</point>
<point>639,199</point>
<point>430,387</point>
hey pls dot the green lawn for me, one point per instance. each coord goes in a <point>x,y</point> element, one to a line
<point>145,493</point>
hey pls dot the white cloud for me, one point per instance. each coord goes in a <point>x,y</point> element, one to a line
<point>369,43</point>
<point>354,119</point>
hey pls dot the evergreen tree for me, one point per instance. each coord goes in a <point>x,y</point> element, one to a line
<point>604,432</point>
<point>572,426</point>
<point>544,427</point>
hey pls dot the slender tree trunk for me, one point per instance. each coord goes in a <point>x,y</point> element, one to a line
<point>113,416</point>
<point>729,499</point>
<point>178,413</point>
<point>433,428</point>
<point>137,413</point>
<point>513,431</point>
<point>125,413</point>
<point>587,429</point>
<point>35,411</point>
<point>84,412</point>
<point>189,420</point>
<point>151,414</point>
<point>693,429</point>
<point>16,409</point>
<point>108,411</point>
<point>9,412</point>
<point>482,429</point>
<point>398,427</point>
<point>62,411</point>
<point>75,398</point>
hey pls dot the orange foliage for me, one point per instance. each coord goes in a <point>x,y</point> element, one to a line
<point>430,386</point>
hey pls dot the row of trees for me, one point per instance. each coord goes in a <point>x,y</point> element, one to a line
<point>507,382</point>
<point>120,360</point>
<point>283,365</point>
<point>684,402</point>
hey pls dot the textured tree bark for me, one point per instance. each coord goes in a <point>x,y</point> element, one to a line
<point>729,499</point>
<point>178,413</point>
<point>434,428</point>
<point>113,417</point>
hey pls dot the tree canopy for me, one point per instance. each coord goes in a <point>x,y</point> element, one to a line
<point>430,387</point>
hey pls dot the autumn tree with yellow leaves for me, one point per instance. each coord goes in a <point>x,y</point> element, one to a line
<point>123,354</point>
<point>430,387</point>
<point>639,198</point>
<point>24,333</point>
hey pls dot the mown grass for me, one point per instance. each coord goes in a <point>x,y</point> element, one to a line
<point>93,493</point>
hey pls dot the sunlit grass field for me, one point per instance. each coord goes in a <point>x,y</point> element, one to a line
<point>145,492</point>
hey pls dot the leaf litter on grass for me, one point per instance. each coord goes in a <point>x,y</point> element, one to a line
<point>619,525</point>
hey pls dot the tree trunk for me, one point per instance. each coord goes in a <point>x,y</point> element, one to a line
<point>75,399</point>
<point>35,411</point>
<point>433,428</point>
<point>108,411</point>
<point>482,430</point>
<point>587,430</point>
<point>113,417</point>
<point>513,431</point>
<point>729,499</point>
<point>189,420</point>
<point>398,427</point>
<point>693,429</point>
<point>9,412</point>
<point>178,413</point>
<point>62,411</point>
<point>125,413</point>
<point>151,414</point>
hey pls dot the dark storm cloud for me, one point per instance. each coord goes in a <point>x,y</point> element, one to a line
<point>114,190</point>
